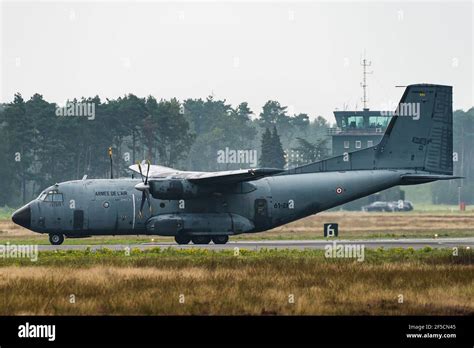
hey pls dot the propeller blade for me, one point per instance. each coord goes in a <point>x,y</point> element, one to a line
<point>148,199</point>
<point>147,171</point>
<point>144,188</point>
<point>140,169</point>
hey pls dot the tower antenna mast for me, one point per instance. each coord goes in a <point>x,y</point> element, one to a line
<point>365,64</point>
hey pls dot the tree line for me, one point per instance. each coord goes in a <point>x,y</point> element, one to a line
<point>42,143</point>
<point>40,146</point>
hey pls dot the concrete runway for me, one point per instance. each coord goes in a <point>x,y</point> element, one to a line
<point>285,244</point>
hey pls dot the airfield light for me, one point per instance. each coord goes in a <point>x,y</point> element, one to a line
<point>111,163</point>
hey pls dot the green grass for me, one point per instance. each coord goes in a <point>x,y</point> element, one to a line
<point>43,240</point>
<point>126,240</point>
<point>195,256</point>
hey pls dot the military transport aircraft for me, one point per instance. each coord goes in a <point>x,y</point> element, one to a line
<point>204,206</point>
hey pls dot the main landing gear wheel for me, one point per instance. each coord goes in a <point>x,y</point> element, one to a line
<point>220,239</point>
<point>56,238</point>
<point>201,240</point>
<point>182,239</point>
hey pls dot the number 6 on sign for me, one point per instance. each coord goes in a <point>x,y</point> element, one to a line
<point>331,230</point>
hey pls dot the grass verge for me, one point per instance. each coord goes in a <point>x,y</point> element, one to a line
<point>430,281</point>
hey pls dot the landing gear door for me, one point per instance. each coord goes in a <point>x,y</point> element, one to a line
<point>78,220</point>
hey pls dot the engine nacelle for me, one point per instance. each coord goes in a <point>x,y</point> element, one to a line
<point>212,223</point>
<point>175,189</point>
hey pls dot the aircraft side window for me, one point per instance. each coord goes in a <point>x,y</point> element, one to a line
<point>49,197</point>
<point>57,197</point>
<point>42,196</point>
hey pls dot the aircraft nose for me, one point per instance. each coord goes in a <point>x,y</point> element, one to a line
<point>22,216</point>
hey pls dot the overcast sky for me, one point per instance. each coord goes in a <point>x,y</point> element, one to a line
<point>304,54</point>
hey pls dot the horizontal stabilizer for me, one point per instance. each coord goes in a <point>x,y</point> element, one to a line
<point>413,179</point>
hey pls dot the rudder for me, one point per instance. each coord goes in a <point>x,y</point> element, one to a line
<point>420,135</point>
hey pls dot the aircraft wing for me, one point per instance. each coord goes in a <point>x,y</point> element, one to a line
<point>207,178</point>
<point>231,176</point>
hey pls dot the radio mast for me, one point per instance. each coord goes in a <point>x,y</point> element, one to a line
<point>365,64</point>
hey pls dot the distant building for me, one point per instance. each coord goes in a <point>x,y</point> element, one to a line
<point>357,130</point>
<point>293,158</point>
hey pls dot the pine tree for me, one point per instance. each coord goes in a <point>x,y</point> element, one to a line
<point>278,155</point>
<point>266,150</point>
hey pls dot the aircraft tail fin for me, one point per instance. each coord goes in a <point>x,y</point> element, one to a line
<point>419,137</point>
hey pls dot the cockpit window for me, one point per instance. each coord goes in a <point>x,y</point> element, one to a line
<point>51,196</point>
<point>57,197</point>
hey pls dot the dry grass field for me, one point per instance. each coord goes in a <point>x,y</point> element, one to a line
<point>432,282</point>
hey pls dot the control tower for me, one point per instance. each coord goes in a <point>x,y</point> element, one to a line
<point>359,129</point>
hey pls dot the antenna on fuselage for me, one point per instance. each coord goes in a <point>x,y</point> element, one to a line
<point>111,163</point>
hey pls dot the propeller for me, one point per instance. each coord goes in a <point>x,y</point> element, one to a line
<point>145,188</point>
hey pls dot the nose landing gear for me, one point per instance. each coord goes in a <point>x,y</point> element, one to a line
<point>56,238</point>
